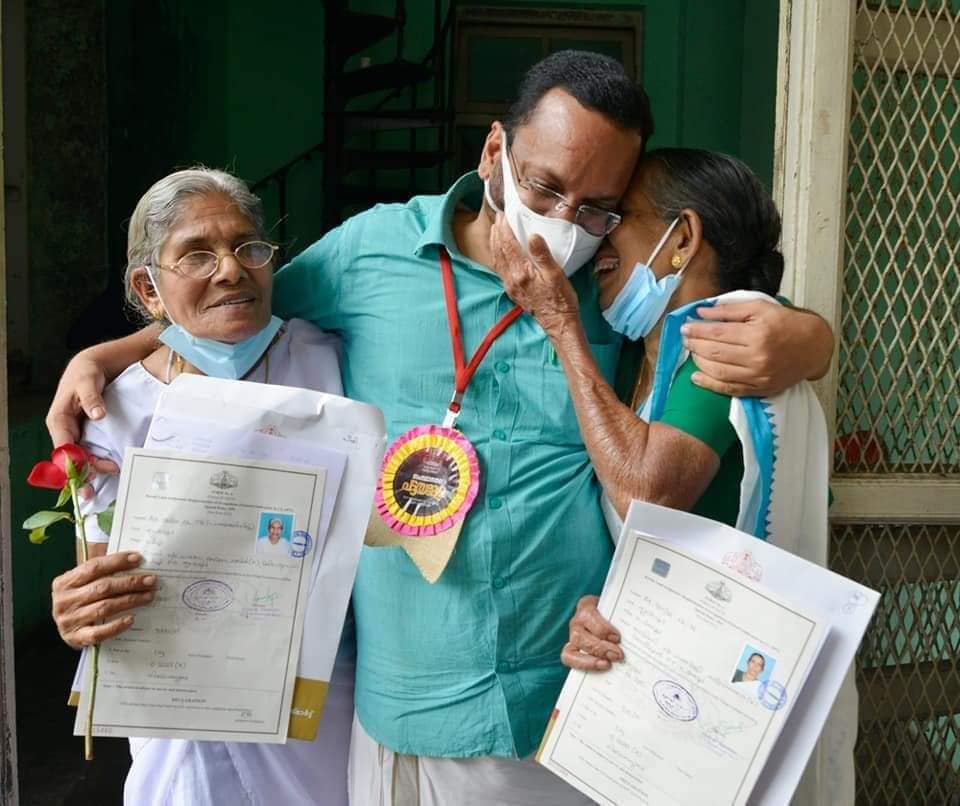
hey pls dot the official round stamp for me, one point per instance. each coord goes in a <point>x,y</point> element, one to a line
<point>300,544</point>
<point>207,595</point>
<point>675,701</point>
<point>772,695</point>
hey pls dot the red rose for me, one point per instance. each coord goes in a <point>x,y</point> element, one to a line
<point>52,475</point>
<point>75,453</point>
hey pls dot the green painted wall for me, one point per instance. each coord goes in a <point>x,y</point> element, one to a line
<point>33,566</point>
<point>66,115</point>
<point>240,85</point>
<point>245,90</point>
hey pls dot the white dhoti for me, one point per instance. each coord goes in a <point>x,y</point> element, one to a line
<point>380,777</point>
<point>177,772</point>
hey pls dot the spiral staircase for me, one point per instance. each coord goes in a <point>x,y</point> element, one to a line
<point>387,123</point>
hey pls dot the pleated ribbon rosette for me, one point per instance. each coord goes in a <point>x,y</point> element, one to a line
<point>429,479</point>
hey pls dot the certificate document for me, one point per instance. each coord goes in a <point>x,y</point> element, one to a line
<point>712,666</point>
<point>214,656</point>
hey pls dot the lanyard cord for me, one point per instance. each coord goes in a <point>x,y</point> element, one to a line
<point>464,370</point>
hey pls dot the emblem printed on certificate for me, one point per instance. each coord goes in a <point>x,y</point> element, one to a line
<point>215,655</point>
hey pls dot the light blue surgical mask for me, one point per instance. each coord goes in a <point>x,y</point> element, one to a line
<point>217,359</point>
<point>643,300</point>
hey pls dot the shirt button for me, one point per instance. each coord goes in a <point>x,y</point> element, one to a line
<point>500,434</point>
<point>495,503</point>
<point>503,666</point>
<point>502,366</point>
<point>499,583</point>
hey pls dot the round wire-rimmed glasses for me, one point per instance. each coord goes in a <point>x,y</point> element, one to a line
<point>200,264</point>
<point>595,220</point>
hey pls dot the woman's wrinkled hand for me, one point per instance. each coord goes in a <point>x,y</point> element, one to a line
<point>535,282</point>
<point>90,604</point>
<point>594,641</point>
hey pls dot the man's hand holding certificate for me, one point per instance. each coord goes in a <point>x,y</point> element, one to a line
<point>726,681</point>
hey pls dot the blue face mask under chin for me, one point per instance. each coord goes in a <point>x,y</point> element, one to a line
<point>643,300</point>
<point>217,359</point>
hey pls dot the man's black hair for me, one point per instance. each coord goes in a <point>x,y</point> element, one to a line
<point>596,81</point>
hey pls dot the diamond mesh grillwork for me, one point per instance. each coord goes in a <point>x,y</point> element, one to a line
<point>908,669</point>
<point>898,407</point>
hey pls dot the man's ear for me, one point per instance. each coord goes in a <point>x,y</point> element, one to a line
<point>490,155</point>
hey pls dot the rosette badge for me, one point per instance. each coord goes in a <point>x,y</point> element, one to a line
<point>428,481</point>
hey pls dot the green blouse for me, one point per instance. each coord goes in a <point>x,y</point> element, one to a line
<point>705,415</point>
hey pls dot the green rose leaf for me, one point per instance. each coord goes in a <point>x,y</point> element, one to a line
<point>43,519</point>
<point>64,496</point>
<point>38,536</point>
<point>105,518</point>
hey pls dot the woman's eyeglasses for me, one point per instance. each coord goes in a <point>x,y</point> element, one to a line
<point>201,264</point>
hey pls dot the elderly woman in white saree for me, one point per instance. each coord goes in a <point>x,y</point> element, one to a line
<point>698,230</point>
<point>197,261</point>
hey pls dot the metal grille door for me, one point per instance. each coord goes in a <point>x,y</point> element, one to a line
<point>897,458</point>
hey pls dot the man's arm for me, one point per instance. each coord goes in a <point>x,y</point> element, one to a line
<point>758,349</point>
<point>80,387</point>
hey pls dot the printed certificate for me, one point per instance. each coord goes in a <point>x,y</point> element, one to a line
<point>214,656</point>
<point>712,666</point>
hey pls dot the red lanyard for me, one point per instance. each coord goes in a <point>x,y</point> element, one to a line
<point>465,371</point>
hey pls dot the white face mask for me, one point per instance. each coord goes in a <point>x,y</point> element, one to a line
<point>570,244</point>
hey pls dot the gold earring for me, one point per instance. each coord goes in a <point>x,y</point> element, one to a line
<point>676,262</point>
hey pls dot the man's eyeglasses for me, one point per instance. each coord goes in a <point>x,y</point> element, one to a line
<point>202,264</point>
<point>543,200</point>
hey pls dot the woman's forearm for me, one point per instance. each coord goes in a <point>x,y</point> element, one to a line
<point>615,437</point>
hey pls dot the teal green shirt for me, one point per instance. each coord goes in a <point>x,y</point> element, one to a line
<point>470,665</point>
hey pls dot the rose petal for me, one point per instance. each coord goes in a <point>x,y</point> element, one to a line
<point>77,455</point>
<point>47,475</point>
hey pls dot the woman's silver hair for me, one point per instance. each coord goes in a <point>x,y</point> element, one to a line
<point>159,211</point>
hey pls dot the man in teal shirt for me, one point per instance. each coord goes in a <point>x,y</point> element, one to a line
<point>468,667</point>
<point>456,680</point>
